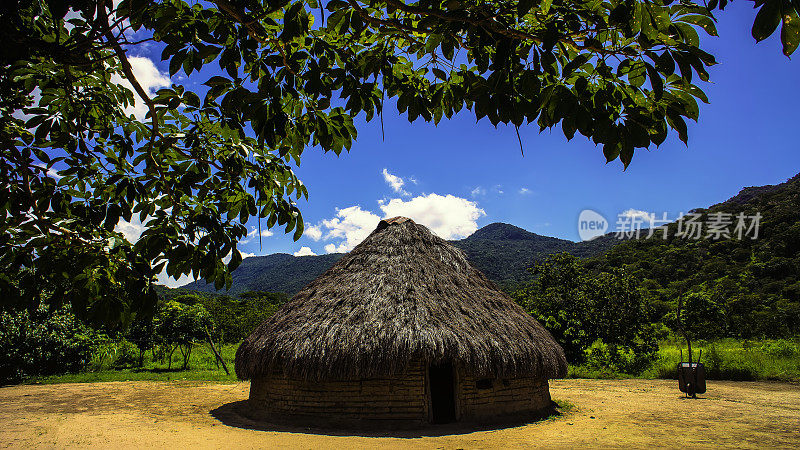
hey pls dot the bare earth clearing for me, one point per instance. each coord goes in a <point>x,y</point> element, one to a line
<point>624,413</point>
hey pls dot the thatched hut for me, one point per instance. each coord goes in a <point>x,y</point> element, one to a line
<point>400,330</point>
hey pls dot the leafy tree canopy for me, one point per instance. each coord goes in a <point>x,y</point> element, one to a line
<point>579,307</point>
<point>288,75</point>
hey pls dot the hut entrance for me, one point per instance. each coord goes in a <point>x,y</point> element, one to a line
<point>443,399</point>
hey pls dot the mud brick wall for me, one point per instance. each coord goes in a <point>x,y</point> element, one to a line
<point>400,398</point>
<point>505,397</point>
<point>403,398</point>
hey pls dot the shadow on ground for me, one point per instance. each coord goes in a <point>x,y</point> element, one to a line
<point>236,414</point>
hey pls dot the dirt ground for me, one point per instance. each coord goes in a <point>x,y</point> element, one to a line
<point>624,413</point>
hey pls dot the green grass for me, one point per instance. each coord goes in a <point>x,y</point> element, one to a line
<point>202,367</point>
<point>726,359</point>
<point>729,359</point>
<point>564,406</point>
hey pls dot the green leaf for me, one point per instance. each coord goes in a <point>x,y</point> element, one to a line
<point>611,151</point>
<point>767,20</point>
<point>665,64</point>
<point>578,61</point>
<point>790,32</point>
<point>236,259</point>
<point>660,16</point>
<point>216,81</point>
<point>636,19</point>
<point>176,62</point>
<point>655,81</point>
<point>677,123</point>
<point>689,34</point>
<point>704,22</point>
<point>636,72</point>
<point>298,229</point>
<point>626,155</point>
<point>439,73</point>
<point>545,6</point>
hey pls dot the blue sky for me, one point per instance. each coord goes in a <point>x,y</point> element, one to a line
<point>461,175</point>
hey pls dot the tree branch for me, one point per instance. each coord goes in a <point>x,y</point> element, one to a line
<point>128,70</point>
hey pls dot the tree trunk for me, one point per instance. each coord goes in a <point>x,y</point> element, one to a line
<point>186,356</point>
<point>216,353</point>
<point>171,352</point>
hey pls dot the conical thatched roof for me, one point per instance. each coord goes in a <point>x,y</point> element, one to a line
<point>402,294</point>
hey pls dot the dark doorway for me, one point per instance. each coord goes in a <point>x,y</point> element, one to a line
<point>443,399</point>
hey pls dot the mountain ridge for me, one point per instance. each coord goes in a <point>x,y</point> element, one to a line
<point>500,250</point>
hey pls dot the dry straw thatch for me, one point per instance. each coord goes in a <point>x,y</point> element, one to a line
<point>400,295</point>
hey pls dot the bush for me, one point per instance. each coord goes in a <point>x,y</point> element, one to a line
<point>601,356</point>
<point>127,354</point>
<point>43,343</point>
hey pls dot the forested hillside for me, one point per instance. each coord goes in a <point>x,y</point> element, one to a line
<point>505,252</point>
<point>279,272</point>
<point>750,286</point>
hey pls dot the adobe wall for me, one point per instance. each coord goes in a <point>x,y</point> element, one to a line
<point>505,397</point>
<point>396,399</point>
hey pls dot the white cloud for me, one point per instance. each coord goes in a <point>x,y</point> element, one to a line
<point>304,251</point>
<point>478,191</point>
<point>253,233</point>
<point>227,258</point>
<point>448,216</point>
<point>52,173</point>
<point>352,224</point>
<point>525,191</point>
<point>638,215</point>
<point>395,182</point>
<point>413,180</point>
<point>168,281</point>
<point>314,232</point>
<point>151,79</point>
<point>498,188</point>
<point>131,230</point>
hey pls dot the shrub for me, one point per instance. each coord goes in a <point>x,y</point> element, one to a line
<point>43,343</point>
<point>601,356</point>
<point>127,354</point>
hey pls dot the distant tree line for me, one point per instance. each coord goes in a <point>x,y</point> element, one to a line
<point>613,315</point>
